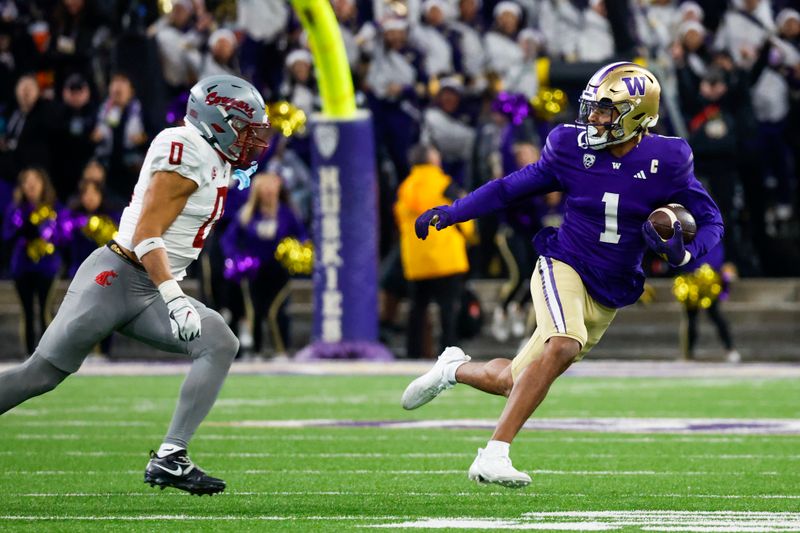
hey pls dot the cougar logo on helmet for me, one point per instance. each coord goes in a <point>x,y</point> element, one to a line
<point>619,102</point>
<point>230,103</point>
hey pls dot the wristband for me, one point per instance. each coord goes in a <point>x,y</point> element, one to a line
<point>148,245</point>
<point>687,256</point>
<point>170,290</point>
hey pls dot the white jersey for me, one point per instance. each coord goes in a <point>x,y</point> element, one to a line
<point>184,151</point>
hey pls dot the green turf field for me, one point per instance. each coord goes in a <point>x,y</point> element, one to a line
<point>73,460</point>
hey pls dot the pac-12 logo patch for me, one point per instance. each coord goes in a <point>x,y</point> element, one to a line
<point>104,278</point>
<point>588,160</point>
<point>326,136</point>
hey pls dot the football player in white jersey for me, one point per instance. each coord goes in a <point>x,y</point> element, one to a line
<point>131,285</point>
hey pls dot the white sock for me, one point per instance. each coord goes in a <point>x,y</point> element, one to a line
<point>497,448</point>
<point>450,371</point>
<point>167,449</point>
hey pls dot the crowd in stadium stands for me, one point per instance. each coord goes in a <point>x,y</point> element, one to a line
<point>85,84</point>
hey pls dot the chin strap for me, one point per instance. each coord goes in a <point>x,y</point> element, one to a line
<point>608,143</point>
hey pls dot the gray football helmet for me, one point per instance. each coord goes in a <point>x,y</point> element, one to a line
<point>230,114</point>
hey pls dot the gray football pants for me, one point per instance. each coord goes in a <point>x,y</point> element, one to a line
<point>110,294</point>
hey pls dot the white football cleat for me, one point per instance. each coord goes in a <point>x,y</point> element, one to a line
<point>429,385</point>
<point>497,469</point>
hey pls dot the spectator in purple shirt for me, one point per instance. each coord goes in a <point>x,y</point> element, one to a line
<point>29,230</point>
<point>613,174</point>
<point>252,239</point>
<point>87,223</point>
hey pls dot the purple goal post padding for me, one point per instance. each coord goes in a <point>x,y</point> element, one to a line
<point>345,233</point>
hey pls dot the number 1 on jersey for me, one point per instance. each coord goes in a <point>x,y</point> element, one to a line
<point>610,235</point>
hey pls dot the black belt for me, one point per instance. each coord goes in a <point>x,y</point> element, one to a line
<point>114,247</point>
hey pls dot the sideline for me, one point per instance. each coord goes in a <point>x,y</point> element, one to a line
<point>604,368</point>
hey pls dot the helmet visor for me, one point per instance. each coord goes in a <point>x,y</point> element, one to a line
<point>601,113</point>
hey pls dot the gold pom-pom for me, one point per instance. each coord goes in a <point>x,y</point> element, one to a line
<point>286,118</point>
<point>39,248</point>
<point>100,229</point>
<point>549,103</point>
<point>42,214</point>
<point>296,257</point>
<point>700,288</point>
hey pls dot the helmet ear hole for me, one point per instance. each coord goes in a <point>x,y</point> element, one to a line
<point>650,122</point>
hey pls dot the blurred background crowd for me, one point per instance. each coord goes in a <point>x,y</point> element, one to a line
<point>461,92</point>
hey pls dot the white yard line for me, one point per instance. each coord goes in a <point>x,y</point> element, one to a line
<point>410,455</point>
<point>80,423</point>
<point>185,517</point>
<point>448,437</point>
<point>700,521</point>
<point>297,455</point>
<point>479,494</point>
<point>412,472</point>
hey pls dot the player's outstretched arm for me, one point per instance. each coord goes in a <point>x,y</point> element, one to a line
<point>163,201</point>
<point>490,197</point>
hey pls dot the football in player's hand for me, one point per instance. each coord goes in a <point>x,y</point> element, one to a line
<point>664,217</point>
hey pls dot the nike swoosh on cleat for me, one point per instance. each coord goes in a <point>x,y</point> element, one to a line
<point>177,472</point>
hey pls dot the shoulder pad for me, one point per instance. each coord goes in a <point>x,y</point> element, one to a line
<point>676,153</point>
<point>178,150</point>
<point>564,137</point>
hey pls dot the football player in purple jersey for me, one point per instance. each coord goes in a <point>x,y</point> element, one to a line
<point>613,174</point>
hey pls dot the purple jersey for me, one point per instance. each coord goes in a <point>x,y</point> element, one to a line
<point>607,201</point>
<point>715,258</point>
<point>19,232</point>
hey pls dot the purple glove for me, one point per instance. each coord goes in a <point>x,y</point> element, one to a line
<point>672,249</point>
<point>438,216</point>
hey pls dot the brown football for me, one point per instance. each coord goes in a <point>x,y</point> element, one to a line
<point>663,218</point>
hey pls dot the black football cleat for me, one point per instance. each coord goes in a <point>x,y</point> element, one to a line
<point>178,471</point>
